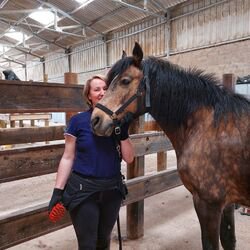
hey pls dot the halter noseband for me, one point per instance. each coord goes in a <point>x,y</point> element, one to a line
<point>144,85</point>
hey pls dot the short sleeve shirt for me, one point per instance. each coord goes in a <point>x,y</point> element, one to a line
<point>95,156</point>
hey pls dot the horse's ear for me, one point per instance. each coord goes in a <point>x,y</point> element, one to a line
<point>137,53</point>
<point>124,54</point>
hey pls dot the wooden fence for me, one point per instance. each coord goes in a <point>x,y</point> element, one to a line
<point>35,160</point>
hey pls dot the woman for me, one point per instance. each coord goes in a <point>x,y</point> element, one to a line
<point>89,182</point>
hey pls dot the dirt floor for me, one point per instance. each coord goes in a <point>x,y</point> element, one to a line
<point>170,221</point>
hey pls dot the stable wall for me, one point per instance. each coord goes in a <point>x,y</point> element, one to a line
<point>222,59</point>
<point>211,34</point>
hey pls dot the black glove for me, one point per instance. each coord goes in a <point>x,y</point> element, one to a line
<point>56,198</point>
<point>125,126</point>
<point>124,131</point>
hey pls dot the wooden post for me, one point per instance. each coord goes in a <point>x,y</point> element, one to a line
<point>3,124</point>
<point>70,78</point>
<point>21,124</point>
<point>151,125</point>
<point>45,77</point>
<point>229,81</point>
<point>161,161</point>
<point>12,124</point>
<point>135,211</point>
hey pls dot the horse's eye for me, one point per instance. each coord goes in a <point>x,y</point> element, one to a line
<point>125,81</point>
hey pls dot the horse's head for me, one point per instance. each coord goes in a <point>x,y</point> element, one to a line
<point>125,94</point>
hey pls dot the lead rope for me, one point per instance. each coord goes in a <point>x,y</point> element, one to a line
<point>119,232</point>
<point>117,134</point>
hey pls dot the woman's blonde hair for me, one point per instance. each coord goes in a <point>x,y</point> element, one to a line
<point>86,89</point>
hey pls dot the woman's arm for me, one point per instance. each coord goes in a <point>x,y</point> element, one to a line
<point>127,150</point>
<point>66,162</point>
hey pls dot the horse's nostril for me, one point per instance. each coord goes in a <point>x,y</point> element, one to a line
<point>95,121</point>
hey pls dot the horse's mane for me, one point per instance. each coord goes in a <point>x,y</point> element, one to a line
<point>178,92</point>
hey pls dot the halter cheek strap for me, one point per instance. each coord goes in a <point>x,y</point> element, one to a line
<point>147,95</point>
<point>143,85</point>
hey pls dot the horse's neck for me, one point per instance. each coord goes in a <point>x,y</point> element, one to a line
<point>180,136</point>
<point>172,97</point>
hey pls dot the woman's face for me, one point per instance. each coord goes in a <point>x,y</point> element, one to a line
<point>97,90</point>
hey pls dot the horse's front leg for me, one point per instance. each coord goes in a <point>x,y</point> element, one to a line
<point>210,217</point>
<point>227,229</point>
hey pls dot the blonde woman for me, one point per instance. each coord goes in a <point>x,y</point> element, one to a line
<point>89,183</point>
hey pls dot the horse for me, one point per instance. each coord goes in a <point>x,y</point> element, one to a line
<point>207,124</point>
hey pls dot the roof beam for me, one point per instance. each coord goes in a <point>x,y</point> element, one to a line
<point>68,15</point>
<point>35,35</point>
<point>3,3</point>
<point>29,52</point>
<point>58,30</point>
<point>21,49</point>
<point>32,33</point>
<point>114,12</point>
<point>138,8</point>
<point>14,60</point>
<point>25,11</point>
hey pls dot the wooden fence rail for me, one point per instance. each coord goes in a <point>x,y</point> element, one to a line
<point>30,135</point>
<point>35,97</point>
<point>33,222</point>
<point>18,163</point>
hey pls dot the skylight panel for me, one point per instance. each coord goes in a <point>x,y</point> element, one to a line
<point>84,2</point>
<point>16,35</point>
<point>45,17</point>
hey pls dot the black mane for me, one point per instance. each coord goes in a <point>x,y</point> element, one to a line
<point>176,92</point>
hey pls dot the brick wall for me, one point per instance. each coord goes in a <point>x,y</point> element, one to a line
<point>229,58</point>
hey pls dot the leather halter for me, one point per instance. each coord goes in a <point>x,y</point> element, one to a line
<point>143,86</point>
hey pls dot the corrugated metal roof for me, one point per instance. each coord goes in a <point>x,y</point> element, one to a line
<point>95,19</point>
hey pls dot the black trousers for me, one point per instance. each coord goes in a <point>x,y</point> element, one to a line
<point>94,219</point>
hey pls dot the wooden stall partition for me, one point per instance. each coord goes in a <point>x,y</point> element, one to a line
<point>32,222</point>
<point>30,161</point>
<point>152,125</point>
<point>135,211</point>
<point>70,78</point>
<point>36,97</point>
<point>37,160</point>
<point>32,117</point>
<point>21,97</point>
<point>16,227</point>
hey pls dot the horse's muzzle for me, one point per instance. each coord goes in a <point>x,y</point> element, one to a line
<point>101,127</point>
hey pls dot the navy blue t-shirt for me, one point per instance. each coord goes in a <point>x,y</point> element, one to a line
<point>95,155</point>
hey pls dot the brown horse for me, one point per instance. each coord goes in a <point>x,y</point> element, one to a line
<point>208,126</point>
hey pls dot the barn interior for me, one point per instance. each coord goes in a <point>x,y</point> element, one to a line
<point>53,47</point>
